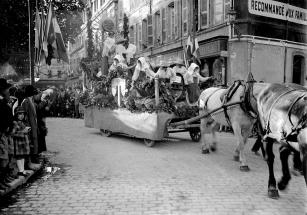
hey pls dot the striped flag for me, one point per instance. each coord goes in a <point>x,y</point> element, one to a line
<point>53,44</point>
<point>196,53</point>
<point>189,48</point>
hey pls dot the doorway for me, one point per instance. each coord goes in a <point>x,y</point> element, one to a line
<point>298,69</point>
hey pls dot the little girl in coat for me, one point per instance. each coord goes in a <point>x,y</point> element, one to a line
<point>21,140</point>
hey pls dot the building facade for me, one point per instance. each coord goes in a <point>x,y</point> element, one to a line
<point>272,48</point>
<point>100,9</point>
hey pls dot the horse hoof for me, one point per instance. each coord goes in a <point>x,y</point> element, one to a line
<point>213,147</point>
<point>273,193</point>
<point>244,168</point>
<point>236,158</point>
<point>282,185</point>
<point>296,172</point>
<point>205,151</point>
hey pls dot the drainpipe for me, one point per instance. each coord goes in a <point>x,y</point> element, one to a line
<point>286,50</point>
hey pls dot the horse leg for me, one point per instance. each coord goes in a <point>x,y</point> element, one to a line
<point>284,155</point>
<point>272,191</point>
<point>240,148</point>
<point>297,163</point>
<point>214,128</point>
<point>204,144</point>
<point>305,165</point>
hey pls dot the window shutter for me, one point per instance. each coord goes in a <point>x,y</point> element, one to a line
<point>185,16</point>
<point>176,19</point>
<point>163,17</point>
<point>144,33</point>
<point>204,15</point>
<point>227,5</point>
<point>131,34</point>
<point>135,35</point>
<point>150,30</point>
<point>168,22</point>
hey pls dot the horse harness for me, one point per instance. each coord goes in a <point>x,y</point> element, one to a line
<point>244,98</point>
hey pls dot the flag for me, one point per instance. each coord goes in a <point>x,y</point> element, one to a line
<point>53,44</point>
<point>60,46</point>
<point>37,28</point>
<point>189,48</point>
<point>196,51</point>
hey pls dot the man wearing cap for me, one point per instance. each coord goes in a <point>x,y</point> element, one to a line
<point>29,107</point>
<point>6,126</point>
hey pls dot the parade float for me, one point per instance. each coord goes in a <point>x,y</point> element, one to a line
<point>116,102</point>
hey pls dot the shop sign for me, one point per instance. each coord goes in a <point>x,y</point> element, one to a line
<point>212,48</point>
<point>278,10</point>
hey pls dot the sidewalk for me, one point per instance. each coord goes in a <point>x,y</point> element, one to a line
<point>18,182</point>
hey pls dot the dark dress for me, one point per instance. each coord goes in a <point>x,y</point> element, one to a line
<point>6,125</point>
<point>41,125</point>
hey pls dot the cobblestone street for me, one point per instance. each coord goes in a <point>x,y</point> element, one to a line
<point>119,175</point>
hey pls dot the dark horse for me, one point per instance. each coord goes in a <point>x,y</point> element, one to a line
<point>282,112</point>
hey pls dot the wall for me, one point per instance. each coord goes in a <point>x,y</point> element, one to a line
<point>238,61</point>
<point>267,62</point>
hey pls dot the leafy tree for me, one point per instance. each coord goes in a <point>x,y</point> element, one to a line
<point>90,44</point>
<point>126,31</point>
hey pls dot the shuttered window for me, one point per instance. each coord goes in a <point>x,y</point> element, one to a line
<point>131,35</point>
<point>149,31</point>
<point>163,18</point>
<point>185,16</point>
<point>177,18</point>
<point>203,13</point>
<point>135,34</point>
<point>157,28</point>
<point>218,11</point>
<point>171,22</point>
<point>227,6</point>
<point>144,33</point>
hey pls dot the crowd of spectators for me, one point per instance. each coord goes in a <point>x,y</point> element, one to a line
<point>23,111</point>
<point>65,103</point>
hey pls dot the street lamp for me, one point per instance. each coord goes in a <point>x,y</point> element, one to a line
<point>232,16</point>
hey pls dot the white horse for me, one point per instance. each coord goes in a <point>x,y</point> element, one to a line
<point>241,122</point>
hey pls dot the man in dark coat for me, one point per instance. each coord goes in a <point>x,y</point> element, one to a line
<point>29,107</point>
<point>6,126</point>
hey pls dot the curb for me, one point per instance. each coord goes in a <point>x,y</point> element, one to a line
<point>18,182</point>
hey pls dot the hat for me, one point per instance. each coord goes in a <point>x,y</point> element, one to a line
<point>30,90</point>
<point>4,85</point>
<point>19,110</point>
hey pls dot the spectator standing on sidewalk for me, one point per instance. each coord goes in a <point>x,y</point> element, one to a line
<point>21,140</point>
<point>29,107</point>
<point>41,113</point>
<point>6,126</point>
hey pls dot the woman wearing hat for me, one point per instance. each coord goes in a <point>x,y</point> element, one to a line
<point>165,72</point>
<point>142,84</point>
<point>6,126</point>
<point>179,67</point>
<point>192,78</point>
<point>29,107</point>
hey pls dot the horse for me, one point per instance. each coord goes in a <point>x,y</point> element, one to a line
<point>282,112</point>
<point>240,120</point>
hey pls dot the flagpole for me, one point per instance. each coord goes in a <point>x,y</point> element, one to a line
<point>30,57</point>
